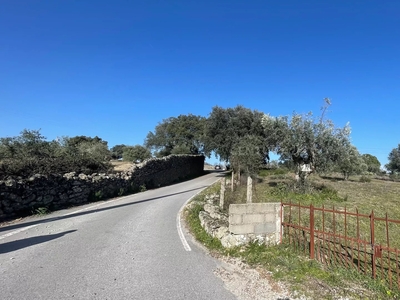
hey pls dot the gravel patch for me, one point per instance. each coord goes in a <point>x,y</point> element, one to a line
<point>248,283</point>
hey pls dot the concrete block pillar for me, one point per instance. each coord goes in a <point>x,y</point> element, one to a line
<point>249,189</point>
<point>222,193</point>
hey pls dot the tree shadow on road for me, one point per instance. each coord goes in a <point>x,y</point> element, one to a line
<point>24,243</point>
<point>90,210</point>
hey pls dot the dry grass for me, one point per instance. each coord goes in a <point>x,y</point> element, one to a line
<point>377,195</point>
<point>120,166</point>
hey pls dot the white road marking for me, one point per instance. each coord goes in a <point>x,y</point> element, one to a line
<point>17,231</point>
<point>179,225</point>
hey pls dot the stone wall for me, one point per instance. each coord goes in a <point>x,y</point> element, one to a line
<point>20,197</point>
<point>243,224</point>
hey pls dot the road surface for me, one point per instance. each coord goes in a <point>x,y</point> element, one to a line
<point>125,248</point>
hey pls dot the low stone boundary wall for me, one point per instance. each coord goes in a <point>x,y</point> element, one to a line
<point>245,222</point>
<point>21,196</point>
<point>259,219</point>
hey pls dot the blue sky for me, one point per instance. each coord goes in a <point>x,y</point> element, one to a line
<point>116,68</point>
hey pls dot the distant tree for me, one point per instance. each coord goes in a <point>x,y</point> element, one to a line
<point>76,140</point>
<point>183,133</point>
<point>351,162</point>
<point>96,150</point>
<point>136,153</point>
<point>394,160</point>
<point>304,140</point>
<point>82,145</point>
<point>117,150</point>
<point>226,127</point>
<point>372,162</point>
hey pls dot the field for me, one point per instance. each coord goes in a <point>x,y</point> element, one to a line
<point>379,195</point>
<point>120,165</point>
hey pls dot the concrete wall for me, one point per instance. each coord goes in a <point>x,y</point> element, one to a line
<point>20,197</point>
<point>258,219</point>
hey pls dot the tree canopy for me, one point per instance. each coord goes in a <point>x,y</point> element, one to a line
<point>136,153</point>
<point>226,127</point>
<point>306,140</point>
<point>117,151</point>
<point>183,135</point>
<point>351,162</point>
<point>246,155</point>
<point>372,162</point>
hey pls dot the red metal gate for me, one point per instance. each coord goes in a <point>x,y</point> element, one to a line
<point>349,239</point>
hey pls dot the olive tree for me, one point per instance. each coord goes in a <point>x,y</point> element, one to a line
<point>309,143</point>
<point>351,162</point>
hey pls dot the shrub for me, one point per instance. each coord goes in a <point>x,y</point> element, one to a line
<point>30,154</point>
<point>365,179</point>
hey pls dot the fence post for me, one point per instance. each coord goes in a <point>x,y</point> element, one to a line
<point>372,226</point>
<point>233,180</point>
<point>222,193</point>
<point>249,189</point>
<point>281,231</point>
<point>312,255</point>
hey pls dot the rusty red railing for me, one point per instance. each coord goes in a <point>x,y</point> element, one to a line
<point>367,243</point>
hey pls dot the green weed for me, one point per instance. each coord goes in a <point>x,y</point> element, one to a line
<point>41,211</point>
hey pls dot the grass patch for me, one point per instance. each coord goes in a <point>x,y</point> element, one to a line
<point>41,211</point>
<point>200,234</point>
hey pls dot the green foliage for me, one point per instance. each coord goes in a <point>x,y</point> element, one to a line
<point>121,192</point>
<point>136,153</point>
<point>351,162</point>
<point>180,149</point>
<point>372,162</point>
<point>117,151</point>
<point>180,135</point>
<point>269,172</point>
<point>41,211</point>
<point>394,160</point>
<point>98,195</point>
<point>246,155</point>
<point>198,231</point>
<point>307,194</point>
<point>225,128</point>
<point>365,179</point>
<point>304,140</point>
<point>142,188</point>
<point>30,153</point>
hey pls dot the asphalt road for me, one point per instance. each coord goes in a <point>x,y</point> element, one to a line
<point>125,248</point>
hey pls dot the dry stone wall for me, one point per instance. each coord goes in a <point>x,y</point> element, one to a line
<point>20,197</point>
